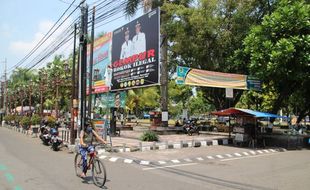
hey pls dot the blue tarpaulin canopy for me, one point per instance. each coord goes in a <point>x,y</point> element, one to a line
<point>245,112</point>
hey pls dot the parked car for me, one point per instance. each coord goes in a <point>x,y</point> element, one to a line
<point>146,116</point>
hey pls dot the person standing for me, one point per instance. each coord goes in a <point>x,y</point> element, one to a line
<point>139,43</point>
<point>127,46</point>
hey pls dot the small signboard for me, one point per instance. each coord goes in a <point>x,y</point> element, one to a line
<point>229,93</point>
<point>253,83</point>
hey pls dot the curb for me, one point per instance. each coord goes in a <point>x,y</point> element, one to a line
<point>175,145</point>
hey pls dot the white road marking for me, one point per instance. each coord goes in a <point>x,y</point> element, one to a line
<point>252,152</point>
<point>171,166</point>
<point>128,161</point>
<point>229,155</point>
<point>188,160</point>
<point>266,151</point>
<point>272,150</point>
<point>102,157</point>
<point>237,154</point>
<point>210,157</point>
<point>230,159</point>
<point>245,153</point>
<point>219,156</point>
<point>175,161</point>
<point>113,159</point>
<point>143,162</point>
<point>100,151</point>
<point>199,158</point>
<point>259,151</point>
<point>162,162</point>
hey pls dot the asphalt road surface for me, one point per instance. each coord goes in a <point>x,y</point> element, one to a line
<point>26,164</point>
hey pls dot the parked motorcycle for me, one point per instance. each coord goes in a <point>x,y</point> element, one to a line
<point>45,135</point>
<point>191,127</point>
<point>55,140</point>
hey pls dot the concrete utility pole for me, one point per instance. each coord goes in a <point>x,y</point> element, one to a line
<point>5,88</point>
<point>164,79</point>
<point>73,95</point>
<point>91,61</point>
<point>83,49</point>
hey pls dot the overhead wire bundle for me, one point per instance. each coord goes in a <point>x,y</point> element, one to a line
<point>105,13</point>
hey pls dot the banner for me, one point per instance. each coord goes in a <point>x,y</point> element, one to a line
<point>135,53</point>
<point>108,100</point>
<point>198,77</point>
<point>102,64</point>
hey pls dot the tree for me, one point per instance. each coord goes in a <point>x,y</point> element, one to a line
<point>207,35</point>
<point>278,52</point>
<point>142,99</point>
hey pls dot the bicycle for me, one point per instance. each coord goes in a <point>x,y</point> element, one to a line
<point>99,174</point>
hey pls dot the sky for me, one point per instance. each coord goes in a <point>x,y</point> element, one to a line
<point>24,22</point>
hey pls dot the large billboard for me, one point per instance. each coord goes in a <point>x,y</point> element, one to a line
<point>102,64</point>
<point>135,53</point>
<point>197,77</point>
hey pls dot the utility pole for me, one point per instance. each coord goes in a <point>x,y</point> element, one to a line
<point>164,79</point>
<point>73,95</point>
<point>83,49</point>
<point>91,61</point>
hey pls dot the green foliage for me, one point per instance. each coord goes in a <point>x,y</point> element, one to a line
<point>198,105</point>
<point>141,99</point>
<point>35,119</point>
<point>149,136</point>
<point>9,118</point>
<point>278,52</point>
<point>25,121</point>
<point>179,93</point>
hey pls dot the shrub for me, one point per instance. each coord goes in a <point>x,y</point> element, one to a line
<point>149,136</point>
<point>35,119</point>
<point>25,122</point>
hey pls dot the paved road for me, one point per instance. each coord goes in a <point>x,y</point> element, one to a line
<point>25,164</point>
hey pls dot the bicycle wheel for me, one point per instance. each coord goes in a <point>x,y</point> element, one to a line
<point>78,164</point>
<point>99,173</point>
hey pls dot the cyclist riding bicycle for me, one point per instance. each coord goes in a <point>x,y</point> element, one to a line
<point>86,140</point>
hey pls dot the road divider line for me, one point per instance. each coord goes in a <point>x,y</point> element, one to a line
<point>102,157</point>
<point>237,154</point>
<point>210,157</point>
<point>175,161</point>
<point>143,162</point>
<point>229,155</point>
<point>187,160</point>
<point>128,161</point>
<point>219,156</point>
<point>113,159</point>
<point>231,159</point>
<point>199,158</point>
<point>171,166</point>
<point>162,162</point>
<point>245,153</point>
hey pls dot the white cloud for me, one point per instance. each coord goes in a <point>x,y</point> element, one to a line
<point>23,47</point>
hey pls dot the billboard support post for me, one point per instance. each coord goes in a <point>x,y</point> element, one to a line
<point>164,81</point>
<point>91,62</point>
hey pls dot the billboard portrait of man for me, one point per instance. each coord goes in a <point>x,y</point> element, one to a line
<point>127,46</point>
<point>139,44</point>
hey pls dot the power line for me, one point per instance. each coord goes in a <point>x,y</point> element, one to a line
<point>45,37</point>
<point>53,47</point>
